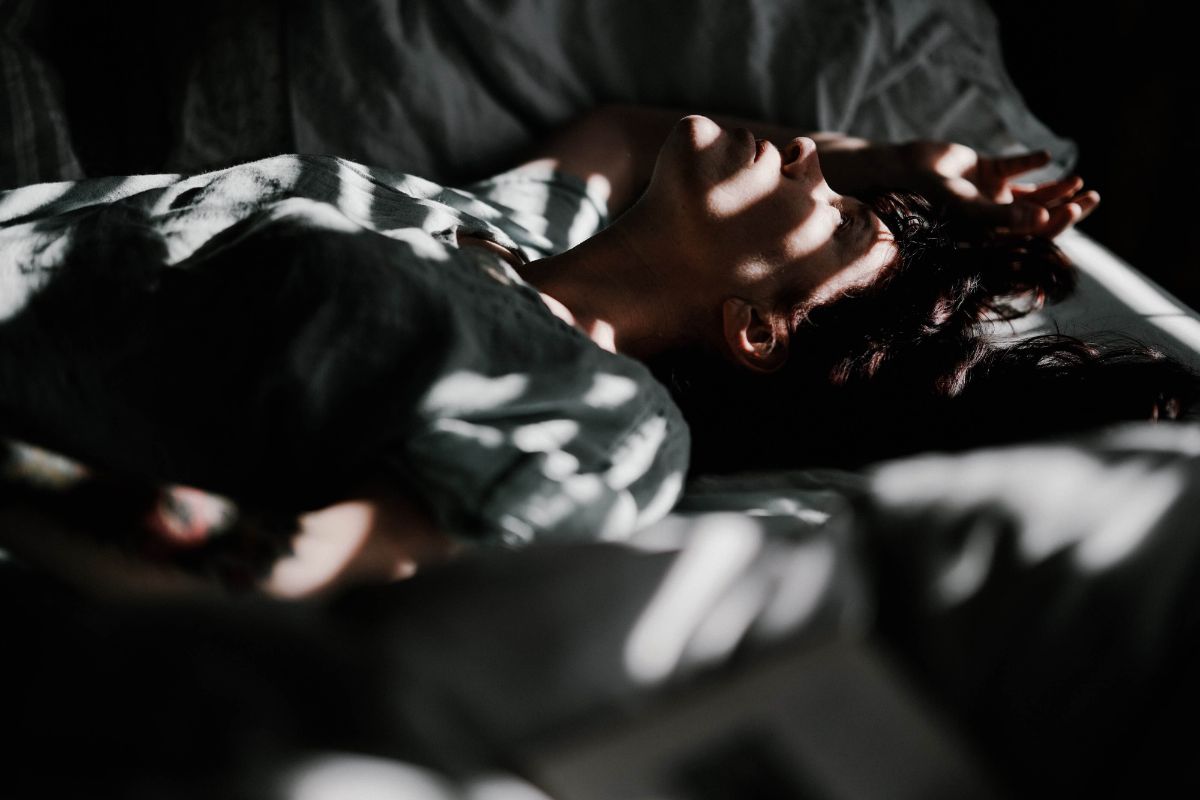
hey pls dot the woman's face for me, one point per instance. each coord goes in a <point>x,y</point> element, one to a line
<point>743,213</point>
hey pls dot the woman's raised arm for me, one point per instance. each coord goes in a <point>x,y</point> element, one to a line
<point>614,147</point>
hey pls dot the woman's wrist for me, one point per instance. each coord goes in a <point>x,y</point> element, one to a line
<point>859,166</point>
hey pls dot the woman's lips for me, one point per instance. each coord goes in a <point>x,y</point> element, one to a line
<point>760,147</point>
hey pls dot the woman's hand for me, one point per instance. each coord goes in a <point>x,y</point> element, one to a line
<point>123,539</point>
<point>381,536</point>
<point>981,191</point>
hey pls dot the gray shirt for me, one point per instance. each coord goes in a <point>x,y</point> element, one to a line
<point>301,320</point>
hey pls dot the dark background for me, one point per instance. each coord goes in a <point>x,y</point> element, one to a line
<point>1120,79</point>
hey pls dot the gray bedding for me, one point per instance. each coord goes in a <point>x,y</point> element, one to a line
<point>1033,606</point>
<point>456,89</point>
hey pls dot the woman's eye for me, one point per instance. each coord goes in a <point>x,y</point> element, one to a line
<point>845,221</point>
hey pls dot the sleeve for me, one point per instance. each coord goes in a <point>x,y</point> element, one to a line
<point>539,476</point>
<point>543,203</point>
<point>575,444</point>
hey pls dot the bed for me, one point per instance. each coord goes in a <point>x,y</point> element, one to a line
<point>1013,621</point>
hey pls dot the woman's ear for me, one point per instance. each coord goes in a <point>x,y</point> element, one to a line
<point>757,340</point>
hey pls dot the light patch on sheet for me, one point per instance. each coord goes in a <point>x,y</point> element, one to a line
<point>1038,489</point>
<point>669,533</point>
<point>726,624</point>
<point>1118,277</point>
<point>1182,327</point>
<point>1112,297</point>
<point>718,550</point>
<point>1133,289</point>
<point>610,391</point>
<point>469,391</point>
<point>336,776</point>
<point>1182,439</point>
<point>501,787</point>
<point>1054,498</point>
<point>803,578</point>
<point>1127,526</point>
<point>966,570</point>
<point>1026,483</point>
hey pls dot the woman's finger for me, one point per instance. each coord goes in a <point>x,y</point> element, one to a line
<point>1018,217</point>
<point>1089,199</point>
<point>1048,193</point>
<point>1074,211</point>
<point>1087,203</point>
<point>1062,218</point>
<point>1007,166</point>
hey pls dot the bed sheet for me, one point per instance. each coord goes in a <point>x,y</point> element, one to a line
<point>1039,600</point>
<point>1042,597</point>
<point>1114,299</point>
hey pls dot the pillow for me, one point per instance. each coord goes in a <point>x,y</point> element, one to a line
<point>35,144</point>
<point>442,89</point>
<point>233,103</point>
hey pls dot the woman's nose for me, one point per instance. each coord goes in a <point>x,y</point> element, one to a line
<point>800,160</point>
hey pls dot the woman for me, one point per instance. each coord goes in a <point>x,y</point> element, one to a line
<point>890,359</point>
<point>268,371</point>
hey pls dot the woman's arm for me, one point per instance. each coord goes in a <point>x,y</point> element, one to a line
<point>614,148</point>
<point>123,538</point>
<point>378,537</point>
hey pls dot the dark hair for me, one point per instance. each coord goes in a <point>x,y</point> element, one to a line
<point>941,283</point>
<point>900,366</point>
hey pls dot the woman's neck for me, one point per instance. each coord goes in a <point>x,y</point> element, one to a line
<point>614,289</point>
